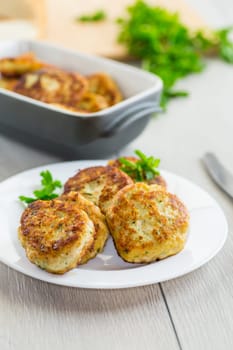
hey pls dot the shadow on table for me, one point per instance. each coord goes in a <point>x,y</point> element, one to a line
<point>30,292</point>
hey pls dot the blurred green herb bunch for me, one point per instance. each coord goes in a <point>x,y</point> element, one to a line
<point>167,47</point>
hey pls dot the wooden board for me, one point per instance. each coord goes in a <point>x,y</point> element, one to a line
<point>22,19</point>
<point>99,38</point>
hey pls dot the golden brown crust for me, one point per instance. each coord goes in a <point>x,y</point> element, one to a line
<point>118,164</point>
<point>102,84</point>
<point>8,83</point>
<point>147,223</point>
<point>53,86</point>
<point>56,235</point>
<point>13,67</point>
<point>97,218</point>
<point>77,182</point>
<point>98,184</point>
<point>65,107</point>
<point>158,179</point>
<point>91,103</point>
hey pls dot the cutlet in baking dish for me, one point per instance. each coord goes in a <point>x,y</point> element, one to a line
<point>28,76</point>
<point>103,85</point>
<point>16,66</point>
<point>53,86</point>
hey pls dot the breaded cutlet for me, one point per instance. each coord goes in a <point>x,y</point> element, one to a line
<point>98,184</point>
<point>8,83</point>
<point>102,84</point>
<point>56,235</point>
<point>91,103</point>
<point>97,218</point>
<point>147,223</point>
<point>53,86</point>
<point>16,66</point>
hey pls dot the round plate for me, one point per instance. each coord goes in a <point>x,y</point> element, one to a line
<point>207,234</point>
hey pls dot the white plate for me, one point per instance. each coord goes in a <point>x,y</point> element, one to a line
<point>207,234</point>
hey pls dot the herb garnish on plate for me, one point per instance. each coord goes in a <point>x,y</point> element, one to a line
<point>146,168</point>
<point>47,191</point>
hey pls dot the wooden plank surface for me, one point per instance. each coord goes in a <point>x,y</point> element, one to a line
<point>62,28</point>
<point>36,315</point>
<point>54,21</point>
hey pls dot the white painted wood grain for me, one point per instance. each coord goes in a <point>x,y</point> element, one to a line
<point>36,315</point>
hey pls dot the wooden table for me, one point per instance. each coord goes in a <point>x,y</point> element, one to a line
<point>190,312</point>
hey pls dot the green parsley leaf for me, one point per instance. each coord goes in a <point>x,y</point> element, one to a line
<point>226,43</point>
<point>27,200</point>
<point>145,168</point>
<point>97,16</point>
<point>47,190</point>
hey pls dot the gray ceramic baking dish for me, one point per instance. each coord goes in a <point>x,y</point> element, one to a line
<point>74,135</point>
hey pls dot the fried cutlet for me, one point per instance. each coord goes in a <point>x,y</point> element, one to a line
<point>8,83</point>
<point>14,67</point>
<point>102,84</point>
<point>157,180</point>
<point>98,184</point>
<point>97,218</point>
<point>91,103</point>
<point>56,235</point>
<point>147,223</point>
<point>53,86</point>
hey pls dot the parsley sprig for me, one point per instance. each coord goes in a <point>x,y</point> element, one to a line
<point>167,47</point>
<point>146,168</point>
<point>47,191</point>
<point>97,16</point>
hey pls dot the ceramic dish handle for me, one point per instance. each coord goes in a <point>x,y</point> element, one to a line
<point>131,116</point>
